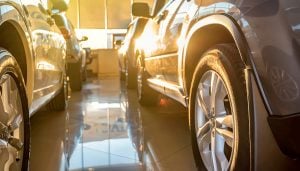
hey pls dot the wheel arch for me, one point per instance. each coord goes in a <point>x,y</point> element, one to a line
<point>205,33</point>
<point>17,43</point>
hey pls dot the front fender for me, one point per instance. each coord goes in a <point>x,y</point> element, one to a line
<point>13,13</point>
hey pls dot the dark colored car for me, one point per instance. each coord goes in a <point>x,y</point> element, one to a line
<point>75,53</point>
<point>235,66</point>
<point>32,73</point>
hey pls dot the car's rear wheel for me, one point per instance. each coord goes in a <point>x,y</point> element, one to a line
<point>218,111</point>
<point>146,95</point>
<point>14,116</point>
<point>75,75</point>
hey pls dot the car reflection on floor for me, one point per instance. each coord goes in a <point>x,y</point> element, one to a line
<point>105,128</point>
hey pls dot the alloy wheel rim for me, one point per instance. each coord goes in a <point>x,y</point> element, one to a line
<point>214,122</point>
<point>11,125</point>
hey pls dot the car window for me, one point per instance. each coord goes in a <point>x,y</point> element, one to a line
<point>175,26</point>
<point>182,12</point>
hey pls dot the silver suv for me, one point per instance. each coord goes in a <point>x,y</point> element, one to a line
<point>235,66</point>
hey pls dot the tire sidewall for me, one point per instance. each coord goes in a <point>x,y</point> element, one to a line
<point>8,65</point>
<point>216,61</point>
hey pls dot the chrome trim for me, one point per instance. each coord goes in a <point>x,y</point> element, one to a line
<point>168,89</point>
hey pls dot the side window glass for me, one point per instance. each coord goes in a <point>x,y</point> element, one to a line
<point>176,25</point>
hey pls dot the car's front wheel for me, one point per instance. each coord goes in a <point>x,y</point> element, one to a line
<point>218,111</point>
<point>14,116</point>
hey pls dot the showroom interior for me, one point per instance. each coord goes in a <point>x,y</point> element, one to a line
<point>149,85</point>
<point>104,127</point>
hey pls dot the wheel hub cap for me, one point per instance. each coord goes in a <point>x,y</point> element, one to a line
<point>214,122</point>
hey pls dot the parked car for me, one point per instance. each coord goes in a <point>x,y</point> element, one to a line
<point>32,73</point>
<point>75,53</point>
<point>128,52</point>
<point>235,66</point>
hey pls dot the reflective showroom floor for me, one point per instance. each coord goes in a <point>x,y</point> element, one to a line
<point>105,128</point>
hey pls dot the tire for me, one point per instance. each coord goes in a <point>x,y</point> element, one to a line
<point>60,101</point>
<point>146,95</point>
<point>14,115</point>
<point>75,75</point>
<point>131,74</point>
<point>223,126</point>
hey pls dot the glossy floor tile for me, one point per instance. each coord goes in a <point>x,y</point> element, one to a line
<point>104,128</point>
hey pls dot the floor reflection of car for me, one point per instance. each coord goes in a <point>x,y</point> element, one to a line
<point>75,53</point>
<point>234,65</point>
<point>32,73</point>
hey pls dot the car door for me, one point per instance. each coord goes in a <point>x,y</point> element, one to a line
<point>155,31</point>
<point>48,46</point>
<point>171,40</point>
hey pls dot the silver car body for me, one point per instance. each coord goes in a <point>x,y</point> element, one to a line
<point>39,49</point>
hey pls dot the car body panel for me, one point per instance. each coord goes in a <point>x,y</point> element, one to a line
<point>159,50</point>
<point>278,79</point>
<point>44,47</point>
<point>11,11</point>
<point>267,35</point>
<point>49,48</point>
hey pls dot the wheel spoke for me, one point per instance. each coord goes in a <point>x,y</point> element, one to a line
<point>204,129</point>
<point>227,135</point>
<point>220,153</point>
<point>15,124</point>
<point>213,152</point>
<point>226,120</point>
<point>201,102</point>
<point>4,115</point>
<point>214,87</point>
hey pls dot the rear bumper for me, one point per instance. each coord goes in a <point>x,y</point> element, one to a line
<point>286,132</point>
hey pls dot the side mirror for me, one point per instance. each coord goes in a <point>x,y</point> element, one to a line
<point>60,5</point>
<point>140,9</point>
<point>118,42</point>
<point>84,38</point>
